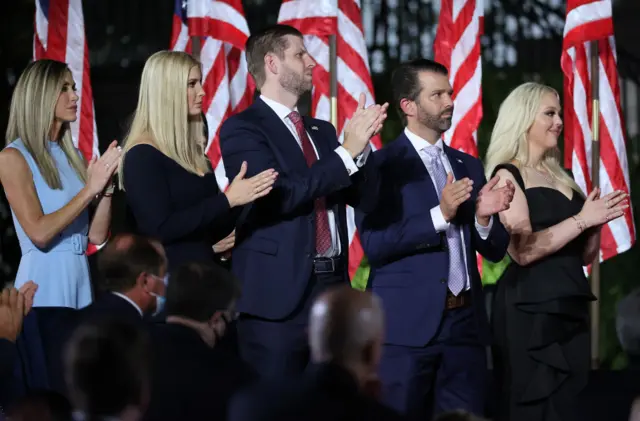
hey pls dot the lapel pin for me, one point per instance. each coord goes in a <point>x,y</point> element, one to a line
<point>314,127</point>
<point>459,160</point>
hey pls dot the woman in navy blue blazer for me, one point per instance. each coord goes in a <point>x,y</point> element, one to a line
<point>171,191</point>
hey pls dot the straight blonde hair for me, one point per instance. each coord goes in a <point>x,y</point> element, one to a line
<point>32,114</point>
<point>162,113</point>
<point>509,142</point>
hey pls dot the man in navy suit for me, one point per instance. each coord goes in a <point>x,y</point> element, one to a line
<point>435,212</point>
<point>293,243</point>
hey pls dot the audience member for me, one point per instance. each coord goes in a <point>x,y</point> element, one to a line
<point>133,270</point>
<point>106,368</point>
<point>193,378</point>
<point>345,338</point>
<point>14,306</point>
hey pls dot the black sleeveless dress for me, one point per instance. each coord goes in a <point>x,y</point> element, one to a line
<point>540,320</point>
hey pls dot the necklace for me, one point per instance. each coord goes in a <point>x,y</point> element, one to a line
<point>545,175</point>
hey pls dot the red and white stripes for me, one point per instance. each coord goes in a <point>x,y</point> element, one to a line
<point>317,20</point>
<point>59,35</point>
<point>591,20</point>
<point>457,47</point>
<point>228,87</point>
<point>227,83</point>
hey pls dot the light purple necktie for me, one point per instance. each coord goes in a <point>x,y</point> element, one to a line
<point>457,271</point>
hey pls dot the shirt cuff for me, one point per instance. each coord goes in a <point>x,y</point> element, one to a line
<point>362,158</point>
<point>439,223</point>
<point>348,161</point>
<point>483,232</point>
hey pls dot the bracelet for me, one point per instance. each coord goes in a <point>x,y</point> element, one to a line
<point>581,224</point>
<point>107,195</point>
<point>109,190</point>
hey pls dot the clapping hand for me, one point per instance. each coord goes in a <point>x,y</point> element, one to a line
<point>28,290</point>
<point>225,244</point>
<point>598,211</point>
<point>245,190</point>
<point>363,125</point>
<point>453,195</point>
<point>101,170</point>
<point>493,200</point>
<point>11,313</point>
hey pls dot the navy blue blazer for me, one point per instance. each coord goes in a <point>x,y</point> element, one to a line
<point>275,236</point>
<point>409,259</point>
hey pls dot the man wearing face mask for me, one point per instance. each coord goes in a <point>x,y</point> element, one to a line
<point>193,377</point>
<point>133,271</point>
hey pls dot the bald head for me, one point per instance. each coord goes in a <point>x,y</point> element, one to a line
<point>345,326</point>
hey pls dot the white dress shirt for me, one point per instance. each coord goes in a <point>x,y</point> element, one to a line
<point>439,223</point>
<point>352,166</point>
<point>130,301</point>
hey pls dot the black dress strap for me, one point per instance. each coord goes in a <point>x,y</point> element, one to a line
<point>513,170</point>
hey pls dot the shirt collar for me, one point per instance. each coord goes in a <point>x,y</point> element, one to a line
<point>419,143</point>
<point>280,109</point>
<point>124,297</point>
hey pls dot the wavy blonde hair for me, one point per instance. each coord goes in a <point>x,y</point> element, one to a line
<point>32,114</point>
<point>162,113</point>
<point>509,142</point>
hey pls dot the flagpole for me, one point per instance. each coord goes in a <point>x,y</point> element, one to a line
<point>196,46</point>
<point>333,74</point>
<point>595,182</point>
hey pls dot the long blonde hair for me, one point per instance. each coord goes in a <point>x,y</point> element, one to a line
<point>162,113</point>
<point>509,137</point>
<point>32,114</point>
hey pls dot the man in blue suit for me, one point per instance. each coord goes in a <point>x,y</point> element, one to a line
<point>434,213</point>
<point>293,243</point>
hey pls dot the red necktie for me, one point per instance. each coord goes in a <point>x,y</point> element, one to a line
<point>323,234</point>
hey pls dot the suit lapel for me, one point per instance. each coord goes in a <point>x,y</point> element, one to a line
<point>422,187</point>
<point>457,166</point>
<point>280,136</point>
<point>314,134</point>
<point>467,208</point>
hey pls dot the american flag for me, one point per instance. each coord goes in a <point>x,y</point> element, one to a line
<point>591,21</point>
<point>59,35</point>
<point>317,20</point>
<point>457,47</point>
<point>228,87</point>
<point>180,39</point>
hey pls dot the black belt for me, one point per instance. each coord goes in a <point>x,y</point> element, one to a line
<point>327,264</point>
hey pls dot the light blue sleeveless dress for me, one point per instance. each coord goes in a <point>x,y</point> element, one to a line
<point>61,270</point>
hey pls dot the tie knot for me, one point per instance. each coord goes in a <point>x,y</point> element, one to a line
<point>295,117</point>
<point>433,151</point>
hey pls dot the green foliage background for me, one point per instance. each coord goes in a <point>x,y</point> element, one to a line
<point>618,275</point>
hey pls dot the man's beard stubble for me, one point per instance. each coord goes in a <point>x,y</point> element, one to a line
<point>435,122</point>
<point>295,83</point>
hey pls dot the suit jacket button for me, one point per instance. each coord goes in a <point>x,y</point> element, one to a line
<point>443,280</point>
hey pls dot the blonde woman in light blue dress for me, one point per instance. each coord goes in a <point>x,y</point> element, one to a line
<point>50,190</point>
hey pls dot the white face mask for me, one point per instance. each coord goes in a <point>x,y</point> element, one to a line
<point>160,300</point>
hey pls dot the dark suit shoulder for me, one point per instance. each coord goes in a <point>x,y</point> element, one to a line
<point>465,157</point>
<point>308,397</point>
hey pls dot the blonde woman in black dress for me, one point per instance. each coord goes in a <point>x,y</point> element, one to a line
<point>541,309</point>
